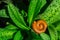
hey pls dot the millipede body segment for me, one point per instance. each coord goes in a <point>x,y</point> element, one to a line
<point>39,26</point>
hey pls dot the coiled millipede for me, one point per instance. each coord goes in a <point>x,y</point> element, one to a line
<point>39,26</point>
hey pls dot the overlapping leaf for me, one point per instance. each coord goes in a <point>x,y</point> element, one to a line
<point>10,26</point>
<point>34,8</point>
<point>39,5</point>
<point>44,36</point>
<point>53,32</point>
<point>58,27</point>
<point>7,33</point>
<point>16,17</point>
<point>18,36</point>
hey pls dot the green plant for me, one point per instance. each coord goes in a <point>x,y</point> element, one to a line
<point>52,12</point>
<point>19,22</point>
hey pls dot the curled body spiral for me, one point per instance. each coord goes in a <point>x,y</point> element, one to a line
<point>39,26</point>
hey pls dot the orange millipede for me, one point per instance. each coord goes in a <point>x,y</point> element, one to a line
<point>39,26</point>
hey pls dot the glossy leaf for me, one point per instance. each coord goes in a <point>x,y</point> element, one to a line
<point>7,33</point>
<point>16,17</point>
<point>34,9</point>
<point>16,13</point>
<point>18,36</point>
<point>52,13</point>
<point>53,32</point>
<point>10,26</point>
<point>31,10</point>
<point>39,5</point>
<point>44,36</point>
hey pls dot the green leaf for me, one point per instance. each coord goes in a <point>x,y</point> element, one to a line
<point>53,32</point>
<point>10,26</point>
<point>34,9</point>
<point>39,5</point>
<point>18,36</point>
<point>16,17</point>
<point>31,10</point>
<point>44,36</point>
<point>7,33</point>
<point>58,27</point>
<point>52,13</point>
<point>3,13</point>
<point>16,13</point>
<point>59,35</point>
